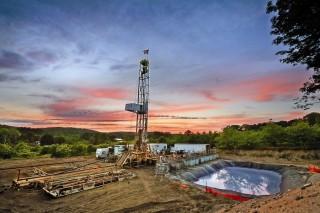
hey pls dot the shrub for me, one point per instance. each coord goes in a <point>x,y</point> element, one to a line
<point>48,149</point>
<point>6,151</point>
<point>79,149</point>
<point>22,149</point>
<point>63,150</point>
<point>91,148</point>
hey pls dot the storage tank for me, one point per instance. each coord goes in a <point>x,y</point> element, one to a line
<point>102,152</point>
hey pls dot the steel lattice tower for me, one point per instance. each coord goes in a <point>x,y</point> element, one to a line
<point>141,107</point>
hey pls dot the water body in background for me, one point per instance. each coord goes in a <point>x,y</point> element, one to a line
<point>244,180</point>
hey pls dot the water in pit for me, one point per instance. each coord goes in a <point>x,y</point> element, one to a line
<point>244,180</point>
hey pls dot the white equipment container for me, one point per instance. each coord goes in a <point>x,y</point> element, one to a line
<point>102,152</point>
<point>157,147</point>
<point>190,148</point>
<point>119,149</point>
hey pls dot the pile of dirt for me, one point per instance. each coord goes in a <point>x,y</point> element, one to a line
<point>298,200</point>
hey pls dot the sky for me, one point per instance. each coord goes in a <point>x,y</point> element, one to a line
<point>75,64</point>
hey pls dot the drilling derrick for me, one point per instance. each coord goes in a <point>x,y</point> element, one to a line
<point>141,106</point>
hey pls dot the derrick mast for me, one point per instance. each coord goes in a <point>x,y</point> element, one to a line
<point>142,104</point>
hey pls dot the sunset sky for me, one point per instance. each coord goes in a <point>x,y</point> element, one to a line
<point>75,64</point>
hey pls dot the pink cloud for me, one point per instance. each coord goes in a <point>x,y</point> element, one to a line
<point>111,93</point>
<point>68,105</point>
<point>212,97</point>
<point>275,86</point>
<point>187,108</point>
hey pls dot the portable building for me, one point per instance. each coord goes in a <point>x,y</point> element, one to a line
<point>190,148</point>
<point>157,147</point>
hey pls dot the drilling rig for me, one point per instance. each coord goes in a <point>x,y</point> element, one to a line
<point>140,108</point>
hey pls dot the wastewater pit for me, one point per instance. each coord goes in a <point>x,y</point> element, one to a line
<point>247,179</point>
<point>243,180</point>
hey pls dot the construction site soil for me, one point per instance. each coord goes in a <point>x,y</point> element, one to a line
<point>145,193</point>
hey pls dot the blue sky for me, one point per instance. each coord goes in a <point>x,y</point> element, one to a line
<point>74,63</point>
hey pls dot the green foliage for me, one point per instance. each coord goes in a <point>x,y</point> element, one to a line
<point>46,139</point>
<point>91,148</point>
<point>22,149</point>
<point>79,149</point>
<point>63,150</point>
<point>59,140</point>
<point>296,28</point>
<point>6,151</point>
<point>9,135</point>
<point>273,135</point>
<point>48,149</point>
<point>229,138</point>
<point>298,135</point>
<point>301,135</point>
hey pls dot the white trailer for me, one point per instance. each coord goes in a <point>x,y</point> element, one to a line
<point>157,147</point>
<point>190,148</point>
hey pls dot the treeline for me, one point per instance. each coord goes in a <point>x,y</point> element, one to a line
<point>294,134</point>
<point>300,135</point>
<point>55,142</point>
<point>61,142</point>
<point>24,150</point>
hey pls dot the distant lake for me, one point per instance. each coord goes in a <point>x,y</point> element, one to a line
<point>244,180</point>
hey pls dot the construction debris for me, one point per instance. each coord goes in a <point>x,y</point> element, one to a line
<point>68,182</point>
<point>66,186</point>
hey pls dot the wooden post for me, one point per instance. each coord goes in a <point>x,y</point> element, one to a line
<point>18,175</point>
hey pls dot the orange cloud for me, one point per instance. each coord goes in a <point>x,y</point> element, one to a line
<point>183,108</point>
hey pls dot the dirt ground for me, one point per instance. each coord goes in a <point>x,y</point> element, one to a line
<point>145,193</point>
<point>273,157</point>
<point>295,201</point>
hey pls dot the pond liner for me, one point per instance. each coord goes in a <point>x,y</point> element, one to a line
<point>291,176</point>
<point>232,196</point>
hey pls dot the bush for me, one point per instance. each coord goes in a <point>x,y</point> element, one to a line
<point>22,149</point>
<point>79,149</point>
<point>63,150</point>
<point>6,151</point>
<point>48,149</point>
<point>91,148</point>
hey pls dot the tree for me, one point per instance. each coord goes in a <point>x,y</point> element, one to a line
<point>59,140</point>
<point>273,135</point>
<point>188,132</point>
<point>6,151</point>
<point>296,26</point>
<point>46,139</point>
<point>4,135</point>
<point>229,138</point>
<point>301,135</point>
<point>63,150</point>
<point>312,118</point>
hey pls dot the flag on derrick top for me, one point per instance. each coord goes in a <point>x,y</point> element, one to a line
<point>146,51</point>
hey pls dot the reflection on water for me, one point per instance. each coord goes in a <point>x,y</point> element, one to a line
<point>244,180</point>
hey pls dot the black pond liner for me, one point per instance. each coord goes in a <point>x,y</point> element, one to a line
<point>291,177</point>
